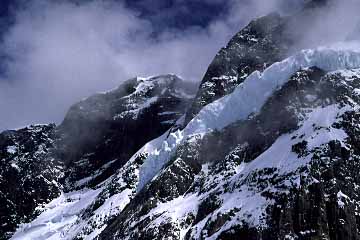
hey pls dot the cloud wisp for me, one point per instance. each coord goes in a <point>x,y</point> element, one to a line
<point>58,52</point>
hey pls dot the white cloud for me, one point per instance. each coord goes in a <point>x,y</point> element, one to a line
<point>61,52</point>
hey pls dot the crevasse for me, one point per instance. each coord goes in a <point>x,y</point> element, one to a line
<point>248,98</point>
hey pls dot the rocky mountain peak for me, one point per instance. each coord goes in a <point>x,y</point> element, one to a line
<point>28,178</point>
<point>98,135</point>
<point>258,45</point>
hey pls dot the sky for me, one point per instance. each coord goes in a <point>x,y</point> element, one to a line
<point>56,52</point>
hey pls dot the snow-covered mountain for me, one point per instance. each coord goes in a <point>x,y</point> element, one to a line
<point>96,138</point>
<point>267,148</point>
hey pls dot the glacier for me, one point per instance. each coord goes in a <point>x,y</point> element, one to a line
<point>249,97</point>
<point>252,204</point>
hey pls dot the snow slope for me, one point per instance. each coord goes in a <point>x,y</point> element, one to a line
<point>244,189</point>
<point>247,202</point>
<point>61,218</point>
<point>249,97</point>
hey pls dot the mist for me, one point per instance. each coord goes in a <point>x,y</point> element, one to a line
<point>58,52</point>
<point>337,21</point>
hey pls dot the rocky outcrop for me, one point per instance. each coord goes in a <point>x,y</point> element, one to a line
<point>101,133</point>
<point>262,42</point>
<point>28,178</point>
<point>255,47</point>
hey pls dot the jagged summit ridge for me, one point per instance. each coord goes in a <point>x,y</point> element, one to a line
<point>110,122</point>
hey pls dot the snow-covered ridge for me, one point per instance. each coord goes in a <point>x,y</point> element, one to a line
<point>252,203</point>
<point>249,97</point>
<point>61,217</point>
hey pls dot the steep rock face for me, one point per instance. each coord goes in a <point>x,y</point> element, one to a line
<point>258,45</point>
<point>28,178</point>
<point>101,133</point>
<point>271,176</point>
<point>262,42</point>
